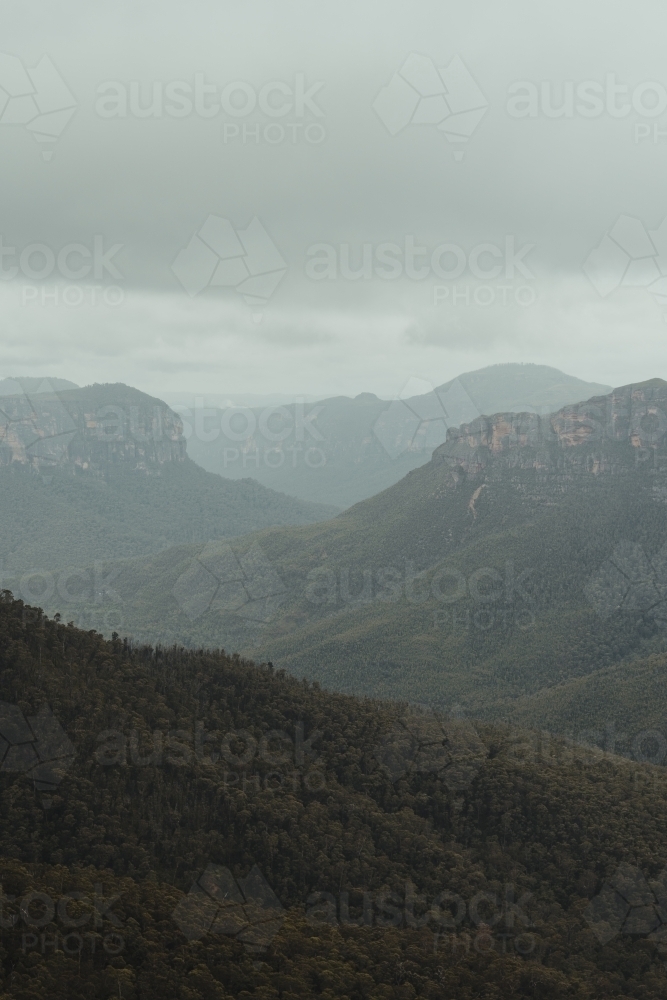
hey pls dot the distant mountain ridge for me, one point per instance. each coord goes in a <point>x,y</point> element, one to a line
<point>35,384</point>
<point>526,388</point>
<point>341,450</point>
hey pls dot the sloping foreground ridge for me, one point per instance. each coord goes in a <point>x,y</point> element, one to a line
<point>223,830</point>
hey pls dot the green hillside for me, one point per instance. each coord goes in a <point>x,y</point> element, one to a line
<point>215,828</point>
<point>383,601</point>
<point>622,707</point>
<point>72,520</point>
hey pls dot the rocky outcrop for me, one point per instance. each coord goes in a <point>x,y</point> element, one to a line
<point>612,433</point>
<point>89,429</point>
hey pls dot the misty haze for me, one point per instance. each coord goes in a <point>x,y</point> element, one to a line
<point>333,491</point>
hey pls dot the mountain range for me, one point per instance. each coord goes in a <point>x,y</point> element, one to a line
<point>526,555</point>
<point>511,577</point>
<point>341,450</point>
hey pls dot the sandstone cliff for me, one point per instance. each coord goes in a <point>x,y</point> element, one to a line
<point>89,429</point>
<point>605,434</point>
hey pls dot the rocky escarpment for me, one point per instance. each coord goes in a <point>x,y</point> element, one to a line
<point>88,429</point>
<point>606,434</point>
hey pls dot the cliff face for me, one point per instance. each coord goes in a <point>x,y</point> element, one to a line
<point>89,429</point>
<point>606,434</point>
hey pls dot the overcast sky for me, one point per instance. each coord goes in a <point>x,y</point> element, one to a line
<point>336,125</point>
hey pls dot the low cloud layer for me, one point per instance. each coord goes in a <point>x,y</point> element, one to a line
<point>330,200</point>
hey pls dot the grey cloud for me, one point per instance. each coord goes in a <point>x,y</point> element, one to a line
<point>149,184</point>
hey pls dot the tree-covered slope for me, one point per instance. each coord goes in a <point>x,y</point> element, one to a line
<point>398,855</point>
<point>622,707</point>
